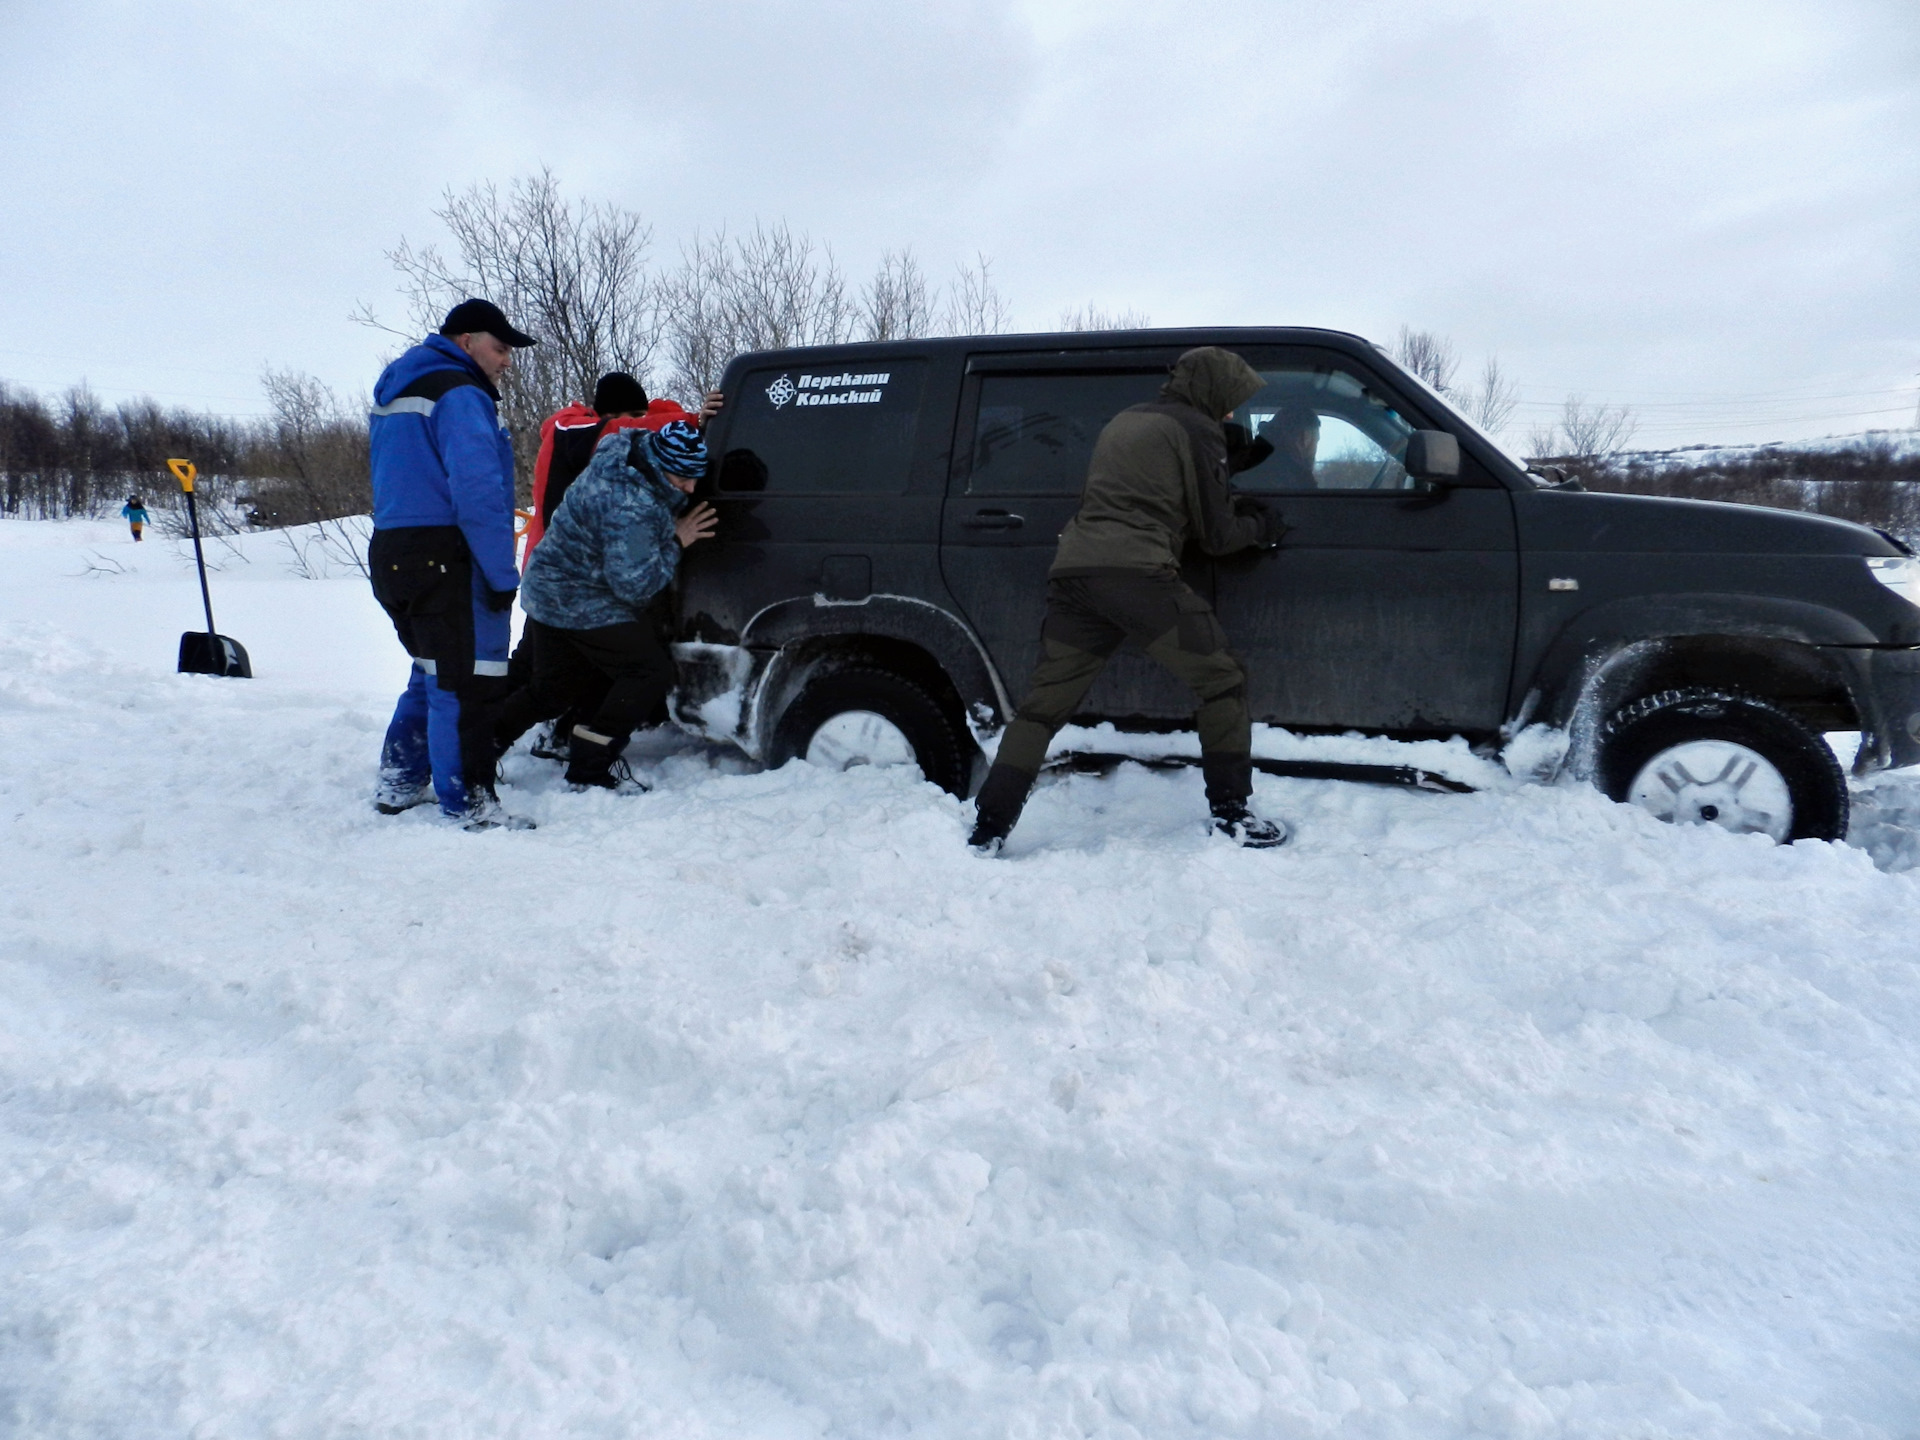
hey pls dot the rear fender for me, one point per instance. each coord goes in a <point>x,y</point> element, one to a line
<point>799,634</point>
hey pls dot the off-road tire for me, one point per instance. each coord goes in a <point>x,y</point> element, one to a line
<point>939,743</point>
<point>1640,731</point>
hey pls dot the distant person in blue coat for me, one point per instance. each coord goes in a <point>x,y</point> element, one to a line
<point>442,559</point>
<point>135,514</point>
<point>613,545</point>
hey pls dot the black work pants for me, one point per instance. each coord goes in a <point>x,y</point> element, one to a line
<point>424,578</point>
<point>1091,616</point>
<point>520,702</point>
<point>622,672</point>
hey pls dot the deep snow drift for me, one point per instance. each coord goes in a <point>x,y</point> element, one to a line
<point>757,1107</point>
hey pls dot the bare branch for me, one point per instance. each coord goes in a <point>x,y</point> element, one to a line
<point>1427,355</point>
<point>1593,432</point>
<point>766,290</point>
<point>974,305</point>
<point>896,304</point>
<point>1490,405</point>
<point>1092,317</point>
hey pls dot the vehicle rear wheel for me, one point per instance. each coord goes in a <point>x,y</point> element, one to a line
<point>1717,757</point>
<point>865,716</point>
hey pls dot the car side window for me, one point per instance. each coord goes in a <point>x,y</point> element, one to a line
<point>833,430</point>
<point>1033,433</point>
<point>1330,429</point>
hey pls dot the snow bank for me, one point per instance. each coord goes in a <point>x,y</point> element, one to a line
<point>757,1107</point>
<point>1900,444</point>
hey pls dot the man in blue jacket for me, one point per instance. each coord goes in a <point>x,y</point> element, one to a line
<point>614,544</point>
<point>442,559</point>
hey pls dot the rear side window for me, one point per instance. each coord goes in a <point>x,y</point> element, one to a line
<point>1033,434</point>
<point>833,430</point>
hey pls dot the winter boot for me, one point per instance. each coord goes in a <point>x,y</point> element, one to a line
<point>395,794</point>
<point>485,812</point>
<point>1002,797</point>
<point>594,761</point>
<point>1240,825</point>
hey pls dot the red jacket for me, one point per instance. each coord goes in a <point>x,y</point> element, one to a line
<point>572,433</point>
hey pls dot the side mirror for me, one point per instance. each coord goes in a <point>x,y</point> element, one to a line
<point>1433,455</point>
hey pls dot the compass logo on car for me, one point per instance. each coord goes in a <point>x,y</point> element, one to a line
<point>780,391</point>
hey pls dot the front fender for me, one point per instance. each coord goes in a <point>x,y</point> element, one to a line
<point>1584,642</point>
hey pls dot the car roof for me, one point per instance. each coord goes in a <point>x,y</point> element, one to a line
<point>1185,338</point>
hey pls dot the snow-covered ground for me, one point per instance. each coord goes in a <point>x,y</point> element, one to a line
<point>1900,444</point>
<point>757,1107</point>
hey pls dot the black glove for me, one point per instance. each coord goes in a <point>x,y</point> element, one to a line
<point>1271,526</point>
<point>498,600</point>
<point>1244,453</point>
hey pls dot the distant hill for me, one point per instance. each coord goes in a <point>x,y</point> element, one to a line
<point>1901,444</point>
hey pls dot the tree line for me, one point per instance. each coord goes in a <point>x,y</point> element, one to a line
<point>77,456</point>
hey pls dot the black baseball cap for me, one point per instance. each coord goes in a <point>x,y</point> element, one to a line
<point>483,317</point>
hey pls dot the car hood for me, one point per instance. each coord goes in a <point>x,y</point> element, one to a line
<point>1653,524</point>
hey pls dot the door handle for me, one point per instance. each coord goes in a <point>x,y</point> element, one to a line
<point>994,520</point>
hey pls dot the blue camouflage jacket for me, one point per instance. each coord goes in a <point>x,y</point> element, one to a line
<point>610,547</point>
<point>440,455</point>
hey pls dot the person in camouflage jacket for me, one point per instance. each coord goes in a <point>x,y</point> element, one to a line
<point>613,545</point>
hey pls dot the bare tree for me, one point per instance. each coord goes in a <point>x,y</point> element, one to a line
<point>1092,317</point>
<point>1427,355</point>
<point>1543,442</point>
<point>1490,404</point>
<point>896,304</point>
<point>1593,432</point>
<point>975,305</point>
<point>314,471</point>
<point>577,276</point>
<point>765,290</point>
<point>574,276</point>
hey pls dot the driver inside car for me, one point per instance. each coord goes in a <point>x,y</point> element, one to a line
<point>1294,434</point>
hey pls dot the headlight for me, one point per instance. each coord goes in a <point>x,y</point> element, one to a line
<point>1899,573</point>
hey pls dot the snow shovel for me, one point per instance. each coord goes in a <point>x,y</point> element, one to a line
<point>205,653</point>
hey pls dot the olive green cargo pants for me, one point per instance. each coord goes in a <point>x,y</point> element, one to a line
<point>1088,618</point>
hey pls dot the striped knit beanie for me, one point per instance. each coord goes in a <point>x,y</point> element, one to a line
<point>679,450</point>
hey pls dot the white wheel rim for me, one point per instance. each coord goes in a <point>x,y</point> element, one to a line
<point>860,737</point>
<point>1716,782</point>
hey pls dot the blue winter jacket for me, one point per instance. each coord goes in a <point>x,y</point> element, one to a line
<point>610,547</point>
<point>441,456</point>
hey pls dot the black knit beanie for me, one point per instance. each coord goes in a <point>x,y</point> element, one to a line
<point>618,393</point>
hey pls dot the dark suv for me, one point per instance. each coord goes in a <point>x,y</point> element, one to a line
<point>889,511</point>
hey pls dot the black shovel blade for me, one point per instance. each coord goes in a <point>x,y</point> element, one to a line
<point>204,654</point>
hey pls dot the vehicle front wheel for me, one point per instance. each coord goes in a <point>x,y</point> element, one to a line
<point>1716,757</point>
<point>866,716</point>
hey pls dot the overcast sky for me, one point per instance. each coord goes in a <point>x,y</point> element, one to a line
<point>1709,211</point>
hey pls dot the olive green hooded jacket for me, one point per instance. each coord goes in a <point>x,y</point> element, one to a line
<point>1158,477</point>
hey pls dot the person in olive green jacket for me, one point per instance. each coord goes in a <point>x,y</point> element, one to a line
<point>1158,479</point>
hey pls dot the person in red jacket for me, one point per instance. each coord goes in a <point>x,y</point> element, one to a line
<point>567,439</point>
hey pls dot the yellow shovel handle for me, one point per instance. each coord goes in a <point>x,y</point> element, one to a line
<point>183,471</point>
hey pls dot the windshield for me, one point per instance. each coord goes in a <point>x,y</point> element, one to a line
<point>1432,394</point>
